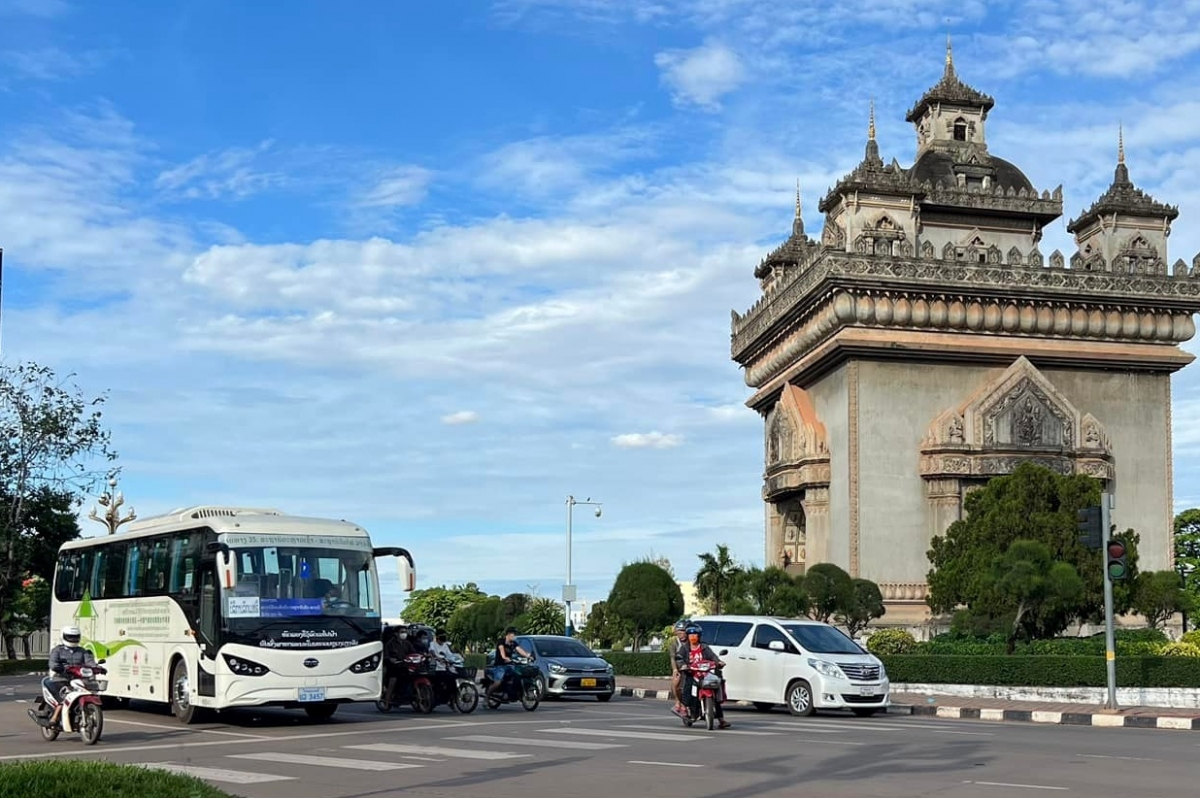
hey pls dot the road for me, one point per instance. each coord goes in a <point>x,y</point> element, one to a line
<point>626,747</point>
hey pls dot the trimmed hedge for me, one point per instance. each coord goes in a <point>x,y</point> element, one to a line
<point>626,663</point>
<point>65,778</point>
<point>20,667</point>
<point>1042,671</point>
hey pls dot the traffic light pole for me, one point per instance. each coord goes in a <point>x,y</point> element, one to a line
<point>1110,648</point>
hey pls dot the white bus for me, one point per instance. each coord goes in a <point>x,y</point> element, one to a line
<point>209,608</point>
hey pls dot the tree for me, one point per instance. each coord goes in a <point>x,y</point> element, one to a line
<point>30,612</point>
<point>1158,595</point>
<point>603,628</point>
<point>477,626</point>
<point>769,591</point>
<point>716,576</point>
<point>545,616</point>
<point>1187,550</point>
<point>1035,504</point>
<point>434,606</point>
<point>863,603</point>
<point>644,597</point>
<point>51,437</point>
<point>829,590</point>
<point>1035,594</point>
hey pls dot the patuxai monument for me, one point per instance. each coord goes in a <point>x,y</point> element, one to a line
<point>925,343</point>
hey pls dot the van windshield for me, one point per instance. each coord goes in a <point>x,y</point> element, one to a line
<point>821,639</point>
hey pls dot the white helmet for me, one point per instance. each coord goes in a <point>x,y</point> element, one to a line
<point>71,635</point>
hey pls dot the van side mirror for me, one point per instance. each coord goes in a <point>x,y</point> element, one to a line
<point>777,645</point>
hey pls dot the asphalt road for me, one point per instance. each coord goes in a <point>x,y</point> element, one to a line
<point>626,747</point>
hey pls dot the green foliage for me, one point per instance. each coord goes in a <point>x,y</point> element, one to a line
<point>20,667</point>
<point>1029,592</point>
<point>1042,671</point>
<point>862,604</point>
<point>767,591</point>
<point>1158,595</point>
<point>1130,642</point>
<point>645,598</point>
<point>647,665</point>
<point>67,778</point>
<point>1180,650</point>
<point>829,590</point>
<point>545,616</point>
<point>1192,637</point>
<point>434,606</point>
<point>603,628</point>
<point>478,625</point>
<point>1032,504</point>
<point>716,578</point>
<point>890,642</point>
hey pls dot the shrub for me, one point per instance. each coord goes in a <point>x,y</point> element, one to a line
<point>1192,637</point>
<point>629,664</point>
<point>66,778</point>
<point>1180,649</point>
<point>1042,671</point>
<point>20,667</point>
<point>891,641</point>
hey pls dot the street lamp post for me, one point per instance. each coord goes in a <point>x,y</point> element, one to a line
<point>569,587</point>
<point>112,500</point>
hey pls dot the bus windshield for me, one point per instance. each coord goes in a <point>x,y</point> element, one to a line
<point>301,581</point>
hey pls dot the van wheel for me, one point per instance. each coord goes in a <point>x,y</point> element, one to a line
<point>799,699</point>
<point>763,706</point>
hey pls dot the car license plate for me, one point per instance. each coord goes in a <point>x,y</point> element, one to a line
<point>866,691</point>
<point>587,682</point>
<point>311,694</point>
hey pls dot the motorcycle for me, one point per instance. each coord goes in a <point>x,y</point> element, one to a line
<point>76,709</point>
<point>418,690</point>
<point>465,695</point>
<point>707,690</point>
<point>521,684</point>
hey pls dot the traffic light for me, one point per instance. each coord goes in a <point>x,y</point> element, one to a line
<point>1090,528</point>
<point>1117,567</point>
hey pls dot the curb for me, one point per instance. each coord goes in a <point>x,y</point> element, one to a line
<point>1095,719</point>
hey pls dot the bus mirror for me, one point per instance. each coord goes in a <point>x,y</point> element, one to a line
<point>217,546</point>
<point>408,575</point>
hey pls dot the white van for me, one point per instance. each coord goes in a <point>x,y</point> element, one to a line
<point>805,665</point>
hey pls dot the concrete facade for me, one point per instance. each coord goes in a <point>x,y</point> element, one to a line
<point>924,345</point>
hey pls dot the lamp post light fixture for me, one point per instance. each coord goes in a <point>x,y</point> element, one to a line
<point>568,593</point>
<point>112,500</point>
<point>1184,569</point>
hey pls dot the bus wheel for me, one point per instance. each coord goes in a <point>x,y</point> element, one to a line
<point>321,712</point>
<point>181,694</point>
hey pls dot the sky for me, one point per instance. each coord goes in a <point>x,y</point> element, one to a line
<point>433,267</point>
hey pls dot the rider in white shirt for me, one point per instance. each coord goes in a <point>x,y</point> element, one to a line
<point>441,649</point>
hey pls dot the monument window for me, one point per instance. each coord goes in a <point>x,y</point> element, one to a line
<point>960,129</point>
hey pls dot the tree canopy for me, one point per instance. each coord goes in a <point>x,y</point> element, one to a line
<point>716,577</point>
<point>645,598</point>
<point>434,606</point>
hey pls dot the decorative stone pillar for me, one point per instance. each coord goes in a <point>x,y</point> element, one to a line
<point>945,504</point>
<point>816,524</point>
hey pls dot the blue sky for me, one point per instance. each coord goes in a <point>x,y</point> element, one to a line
<point>434,266</point>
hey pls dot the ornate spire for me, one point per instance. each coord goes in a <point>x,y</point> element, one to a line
<point>798,222</point>
<point>950,90</point>
<point>871,124</point>
<point>949,73</point>
<point>872,155</point>
<point>1120,143</point>
<point>1123,197</point>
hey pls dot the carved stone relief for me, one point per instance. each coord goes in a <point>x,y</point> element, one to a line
<point>797,448</point>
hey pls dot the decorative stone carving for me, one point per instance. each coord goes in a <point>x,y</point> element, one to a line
<point>1014,257</point>
<point>929,253</point>
<point>911,592</point>
<point>1017,417</point>
<point>797,446</point>
<point>1035,258</point>
<point>1056,260</point>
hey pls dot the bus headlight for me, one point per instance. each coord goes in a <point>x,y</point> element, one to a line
<point>244,667</point>
<point>367,665</point>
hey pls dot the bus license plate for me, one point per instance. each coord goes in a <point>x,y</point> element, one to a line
<point>311,694</point>
<point>866,691</point>
<point>587,682</point>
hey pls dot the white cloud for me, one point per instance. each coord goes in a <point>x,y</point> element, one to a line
<point>461,417</point>
<point>397,187</point>
<point>51,63</point>
<point>225,173</point>
<point>702,75</point>
<point>647,440</point>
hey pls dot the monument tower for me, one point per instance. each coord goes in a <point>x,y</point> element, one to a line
<point>924,345</point>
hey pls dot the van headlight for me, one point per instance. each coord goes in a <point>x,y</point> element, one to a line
<point>826,668</point>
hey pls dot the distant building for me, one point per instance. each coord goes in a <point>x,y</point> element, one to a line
<point>691,601</point>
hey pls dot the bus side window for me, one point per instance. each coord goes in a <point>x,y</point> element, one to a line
<point>112,579</point>
<point>208,605</point>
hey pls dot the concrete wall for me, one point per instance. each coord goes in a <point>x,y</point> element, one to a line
<point>831,399</point>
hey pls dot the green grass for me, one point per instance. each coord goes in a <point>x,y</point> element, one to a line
<point>67,778</point>
<point>20,667</point>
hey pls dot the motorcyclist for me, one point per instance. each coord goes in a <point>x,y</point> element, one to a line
<point>505,648</point>
<point>444,677</point>
<point>68,653</point>
<point>673,647</point>
<point>396,648</point>
<point>691,655</point>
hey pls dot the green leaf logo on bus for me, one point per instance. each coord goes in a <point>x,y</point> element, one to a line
<point>86,615</point>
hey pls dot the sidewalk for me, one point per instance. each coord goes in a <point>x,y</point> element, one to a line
<point>944,706</point>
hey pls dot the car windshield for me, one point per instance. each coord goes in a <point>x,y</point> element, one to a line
<point>818,639</point>
<point>291,581</point>
<point>563,648</point>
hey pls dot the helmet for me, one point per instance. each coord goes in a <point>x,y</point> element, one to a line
<point>694,629</point>
<point>680,625</point>
<point>71,635</point>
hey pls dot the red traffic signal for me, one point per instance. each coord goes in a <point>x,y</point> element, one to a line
<point>1116,549</point>
<point>1117,567</point>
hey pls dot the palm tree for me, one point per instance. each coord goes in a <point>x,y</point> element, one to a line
<point>717,573</point>
<point>545,616</point>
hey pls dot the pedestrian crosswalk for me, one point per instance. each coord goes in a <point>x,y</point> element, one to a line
<point>493,749</point>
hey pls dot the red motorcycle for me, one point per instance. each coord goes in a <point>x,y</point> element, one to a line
<point>418,691</point>
<point>708,690</point>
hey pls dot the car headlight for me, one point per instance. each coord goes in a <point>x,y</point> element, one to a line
<point>244,667</point>
<point>367,664</point>
<point>608,669</point>
<point>826,668</point>
<point>556,667</point>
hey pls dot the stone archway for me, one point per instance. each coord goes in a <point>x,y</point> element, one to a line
<point>796,483</point>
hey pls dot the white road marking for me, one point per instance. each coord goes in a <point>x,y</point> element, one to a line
<point>968,734</point>
<point>429,750</point>
<point>725,731</point>
<point>679,738</point>
<point>1127,758</point>
<point>324,761</point>
<point>664,764</point>
<point>1019,786</point>
<point>577,745</point>
<point>163,727</point>
<point>214,774</point>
